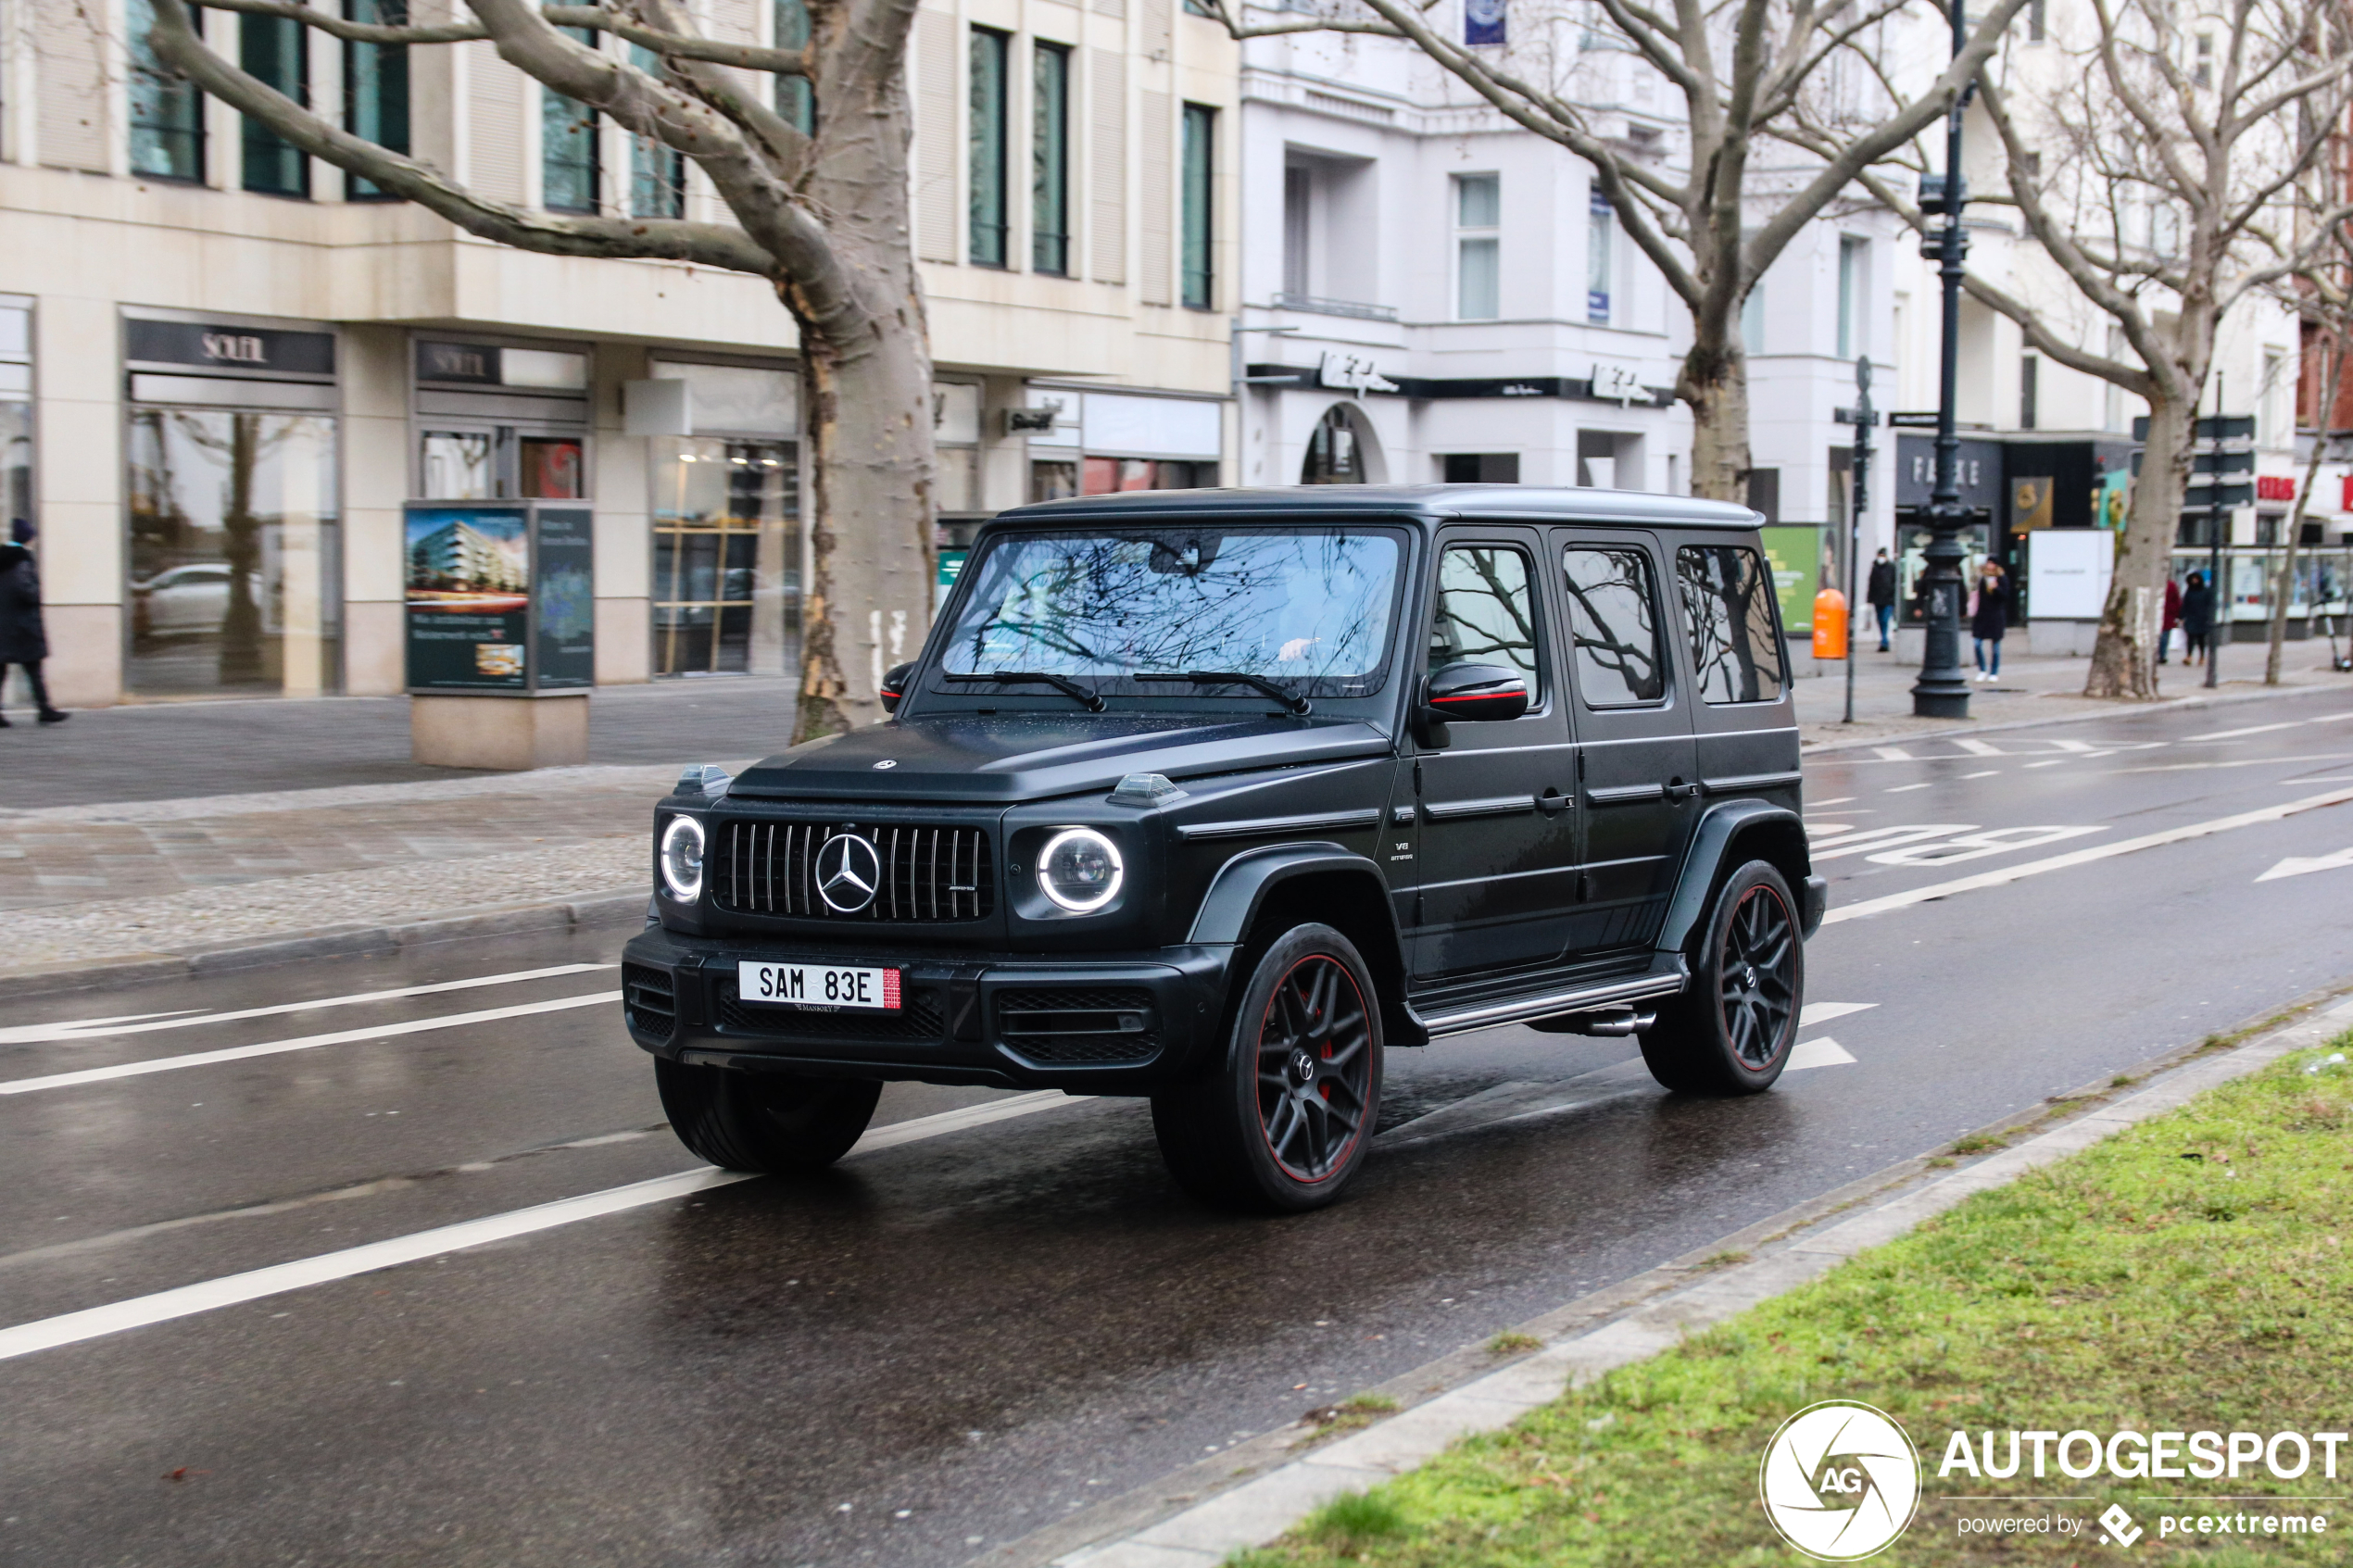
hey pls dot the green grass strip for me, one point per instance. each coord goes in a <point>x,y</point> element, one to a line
<point>2190,1273</point>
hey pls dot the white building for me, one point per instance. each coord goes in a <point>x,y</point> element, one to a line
<point>1430,294</point>
<point>224,368</point>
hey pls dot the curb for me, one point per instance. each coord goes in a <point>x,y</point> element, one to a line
<point>583,911</point>
<point>2167,705</point>
<point>1153,1527</point>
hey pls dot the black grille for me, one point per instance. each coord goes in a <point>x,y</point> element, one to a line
<point>1112,1024</point>
<point>929,874</point>
<point>649,1001</point>
<point>918,1017</point>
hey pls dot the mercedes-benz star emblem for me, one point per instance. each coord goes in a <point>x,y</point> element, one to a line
<point>848,872</point>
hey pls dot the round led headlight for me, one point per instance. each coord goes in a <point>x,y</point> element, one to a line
<point>682,859</point>
<point>1079,870</point>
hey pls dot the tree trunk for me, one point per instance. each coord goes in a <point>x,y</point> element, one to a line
<point>2124,658</point>
<point>1715,386</point>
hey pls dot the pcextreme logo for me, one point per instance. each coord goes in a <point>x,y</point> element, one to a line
<point>1840,1480</point>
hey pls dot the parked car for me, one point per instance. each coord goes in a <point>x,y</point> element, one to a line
<point>181,601</point>
<point>1214,797</point>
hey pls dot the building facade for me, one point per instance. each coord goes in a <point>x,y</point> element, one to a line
<point>225,366</point>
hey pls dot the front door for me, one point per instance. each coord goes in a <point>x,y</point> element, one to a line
<point>1639,781</point>
<point>1498,848</point>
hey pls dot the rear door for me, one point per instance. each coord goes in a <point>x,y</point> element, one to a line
<point>1498,841</point>
<point>1636,775</point>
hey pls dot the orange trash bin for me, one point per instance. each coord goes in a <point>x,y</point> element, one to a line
<point>1829,624</point>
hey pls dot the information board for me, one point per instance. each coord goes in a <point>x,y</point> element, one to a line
<point>500,597</point>
<point>564,592</point>
<point>1794,555</point>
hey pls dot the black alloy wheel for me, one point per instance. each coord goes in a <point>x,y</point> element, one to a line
<point>1730,1031</point>
<point>1281,1121</point>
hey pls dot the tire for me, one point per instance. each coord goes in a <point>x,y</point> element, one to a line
<point>1730,1031</point>
<point>773,1123</point>
<point>1280,1122</point>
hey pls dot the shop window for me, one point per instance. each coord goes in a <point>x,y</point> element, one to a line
<point>275,51</point>
<point>456,466</point>
<point>726,546</point>
<point>985,128</point>
<point>375,87</point>
<point>1050,160</point>
<point>16,413</point>
<point>570,175</point>
<point>796,97</point>
<point>1481,467</point>
<point>1052,481</point>
<point>167,112</point>
<point>1109,476</point>
<point>1199,173</point>
<point>1335,456</point>
<point>549,467</point>
<point>235,553</point>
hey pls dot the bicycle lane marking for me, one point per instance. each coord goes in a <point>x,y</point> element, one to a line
<point>1892,901</point>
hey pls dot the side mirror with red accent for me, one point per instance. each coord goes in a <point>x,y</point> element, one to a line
<point>894,684</point>
<point>1475,692</point>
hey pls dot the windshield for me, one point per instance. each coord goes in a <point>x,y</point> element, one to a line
<point>1308,609</point>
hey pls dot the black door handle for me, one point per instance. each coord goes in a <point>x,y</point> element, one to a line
<point>1552,800</point>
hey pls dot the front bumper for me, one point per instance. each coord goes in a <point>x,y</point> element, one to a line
<point>1116,1024</point>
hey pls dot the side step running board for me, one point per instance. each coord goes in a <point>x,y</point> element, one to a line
<point>1519,1009</point>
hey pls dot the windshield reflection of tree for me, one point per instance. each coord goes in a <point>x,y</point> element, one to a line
<point>1484,617</point>
<point>1730,620</point>
<point>1293,608</point>
<point>1611,620</point>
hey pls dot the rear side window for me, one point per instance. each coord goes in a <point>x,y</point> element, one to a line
<point>1486,610</point>
<point>1728,609</point>
<point>1613,626</point>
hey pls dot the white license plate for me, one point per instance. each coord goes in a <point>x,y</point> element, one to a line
<point>817,985</point>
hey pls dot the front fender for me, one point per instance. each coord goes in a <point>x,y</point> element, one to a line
<point>1712,842</point>
<point>1241,885</point>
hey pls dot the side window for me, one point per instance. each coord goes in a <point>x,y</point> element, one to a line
<point>1728,609</point>
<point>1486,610</point>
<point>1613,626</point>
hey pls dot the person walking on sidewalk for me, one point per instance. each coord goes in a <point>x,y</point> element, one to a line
<point>2197,618</point>
<point>23,642</point>
<point>1989,618</point>
<point>2172,618</point>
<point>1880,594</point>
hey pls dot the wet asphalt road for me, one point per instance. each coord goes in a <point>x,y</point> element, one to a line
<point>945,1345</point>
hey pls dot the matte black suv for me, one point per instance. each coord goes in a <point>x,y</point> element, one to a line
<point>1213,796</point>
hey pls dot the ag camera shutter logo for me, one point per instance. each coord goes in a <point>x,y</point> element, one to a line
<point>1840,1480</point>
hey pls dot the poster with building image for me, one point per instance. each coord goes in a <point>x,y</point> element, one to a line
<point>468,592</point>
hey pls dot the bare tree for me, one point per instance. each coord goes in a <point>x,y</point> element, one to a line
<point>1791,76</point>
<point>822,215</point>
<point>2156,162</point>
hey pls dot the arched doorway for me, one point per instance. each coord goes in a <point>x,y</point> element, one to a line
<point>1341,450</point>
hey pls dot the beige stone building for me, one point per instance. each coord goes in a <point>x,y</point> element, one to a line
<point>225,369</point>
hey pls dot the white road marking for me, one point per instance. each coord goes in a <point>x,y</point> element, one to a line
<point>1839,802</point>
<point>1822,1013</point>
<point>1888,837</point>
<point>1980,748</point>
<point>1891,754</point>
<point>1986,775</point>
<point>2236,762</point>
<point>2051,763</point>
<point>1899,789</point>
<point>95,1322</point>
<point>300,1043</point>
<point>2250,730</point>
<point>132,1023</point>
<point>2298,866</point>
<point>1977,846</point>
<point>1824,1052</point>
<point>2085,856</point>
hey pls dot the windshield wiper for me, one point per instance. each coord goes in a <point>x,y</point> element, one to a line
<point>1275,689</point>
<point>1061,683</point>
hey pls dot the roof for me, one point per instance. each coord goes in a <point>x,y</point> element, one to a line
<point>1519,502</point>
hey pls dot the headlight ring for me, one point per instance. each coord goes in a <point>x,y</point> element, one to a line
<point>1079,870</point>
<point>681,846</point>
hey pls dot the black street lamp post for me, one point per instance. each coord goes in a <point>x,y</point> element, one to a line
<point>1864,419</point>
<point>1942,692</point>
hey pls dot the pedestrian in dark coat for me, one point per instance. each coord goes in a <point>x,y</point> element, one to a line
<point>2172,618</point>
<point>1989,618</point>
<point>2197,618</point>
<point>1880,594</point>
<point>23,641</point>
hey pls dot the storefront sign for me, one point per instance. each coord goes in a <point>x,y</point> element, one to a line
<point>2275,487</point>
<point>229,348</point>
<point>1347,372</point>
<point>500,597</point>
<point>465,364</point>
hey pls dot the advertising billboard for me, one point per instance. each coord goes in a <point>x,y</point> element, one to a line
<point>500,596</point>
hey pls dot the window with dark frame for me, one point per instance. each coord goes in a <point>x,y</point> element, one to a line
<point>1050,160</point>
<point>1485,611</point>
<point>571,172</point>
<point>1198,265</point>
<point>2028,375</point>
<point>1613,626</point>
<point>375,89</point>
<point>275,51</point>
<point>657,173</point>
<point>796,95</point>
<point>167,110</point>
<point>1728,613</point>
<point>985,130</point>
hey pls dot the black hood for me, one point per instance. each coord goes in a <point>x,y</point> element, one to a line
<point>1009,757</point>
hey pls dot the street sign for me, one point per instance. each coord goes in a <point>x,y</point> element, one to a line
<point>2223,462</point>
<point>2205,497</point>
<point>2214,427</point>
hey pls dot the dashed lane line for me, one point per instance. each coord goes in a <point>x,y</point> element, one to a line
<point>94,1322</point>
<point>2084,857</point>
<point>299,1043</point>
